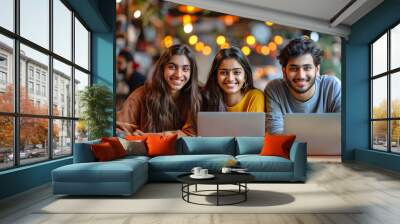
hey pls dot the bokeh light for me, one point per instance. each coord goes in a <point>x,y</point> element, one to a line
<point>246,50</point>
<point>193,39</point>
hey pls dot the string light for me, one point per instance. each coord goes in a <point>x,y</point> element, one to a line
<point>278,40</point>
<point>207,50</point>
<point>269,23</point>
<point>193,39</point>
<point>188,28</point>
<point>168,41</point>
<point>229,20</point>
<point>251,40</point>
<point>272,46</point>
<point>265,50</point>
<point>199,46</point>
<point>246,50</point>
<point>220,40</point>
<point>225,45</point>
<point>189,9</point>
<point>187,19</point>
<point>137,13</point>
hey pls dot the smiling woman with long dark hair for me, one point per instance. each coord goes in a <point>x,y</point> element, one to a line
<point>230,84</point>
<point>169,102</point>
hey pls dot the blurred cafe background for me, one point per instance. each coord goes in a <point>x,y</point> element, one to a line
<point>146,27</point>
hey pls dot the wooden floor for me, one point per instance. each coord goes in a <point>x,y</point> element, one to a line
<point>354,182</point>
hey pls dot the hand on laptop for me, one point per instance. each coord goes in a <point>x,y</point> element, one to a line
<point>129,129</point>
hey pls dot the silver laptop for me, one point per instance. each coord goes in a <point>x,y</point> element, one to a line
<point>230,124</point>
<point>322,132</point>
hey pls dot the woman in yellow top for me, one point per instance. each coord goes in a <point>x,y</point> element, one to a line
<point>230,84</point>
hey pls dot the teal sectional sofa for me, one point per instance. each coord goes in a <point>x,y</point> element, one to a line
<point>125,176</point>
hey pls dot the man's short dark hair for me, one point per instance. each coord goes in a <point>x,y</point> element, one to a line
<point>127,55</point>
<point>298,47</point>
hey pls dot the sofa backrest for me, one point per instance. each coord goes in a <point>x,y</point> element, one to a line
<point>206,145</point>
<point>249,145</point>
<point>83,152</point>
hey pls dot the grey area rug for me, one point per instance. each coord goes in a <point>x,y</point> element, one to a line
<point>166,198</point>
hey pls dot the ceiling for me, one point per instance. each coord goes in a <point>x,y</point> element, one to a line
<point>326,16</point>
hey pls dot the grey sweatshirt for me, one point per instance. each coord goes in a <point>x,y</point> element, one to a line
<point>279,101</point>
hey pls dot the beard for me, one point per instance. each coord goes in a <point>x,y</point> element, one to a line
<point>122,71</point>
<point>291,84</point>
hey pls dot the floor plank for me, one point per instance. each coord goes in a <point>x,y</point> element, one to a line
<point>376,190</point>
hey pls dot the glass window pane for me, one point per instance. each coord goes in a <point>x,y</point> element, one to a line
<point>6,74</point>
<point>62,29</point>
<point>81,81</point>
<point>62,138</point>
<point>395,47</point>
<point>34,96</point>
<point>379,135</point>
<point>81,131</point>
<point>379,55</point>
<point>6,142</point>
<point>62,89</point>
<point>7,14</point>
<point>395,94</point>
<point>33,139</point>
<point>81,45</point>
<point>35,21</point>
<point>395,136</point>
<point>379,97</point>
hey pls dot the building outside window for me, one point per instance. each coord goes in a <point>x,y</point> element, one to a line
<point>3,72</point>
<point>38,89</point>
<point>30,87</point>
<point>43,78</point>
<point>37,74</point>
<point>43,90</point>
<point>3,61</point>
<point>3,78</point>
<point>30,72</point>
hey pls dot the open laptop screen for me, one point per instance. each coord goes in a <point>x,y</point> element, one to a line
<point>322,132</point>
<point>231,124</point>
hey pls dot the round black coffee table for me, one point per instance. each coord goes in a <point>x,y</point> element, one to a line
<point>238,179</point>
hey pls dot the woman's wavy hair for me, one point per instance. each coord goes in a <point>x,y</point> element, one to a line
<point>163,113</point>
<point>213,94</point>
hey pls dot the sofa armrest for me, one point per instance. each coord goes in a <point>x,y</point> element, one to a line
<point>298,155</point>
<point>83,152</point>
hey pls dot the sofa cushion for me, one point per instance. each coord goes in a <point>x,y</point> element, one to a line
<point>249,145</point>
<point>112,171</point>
<point>116,145</point>
<point>257,163</point>
<point>159,145</point>
<point>134,147</point>
<point>135,137</point>
<point>206,145</point>
<point>185,163</point>
<point>103,151</point>
<point>131,158</point>
<point>277,145</point>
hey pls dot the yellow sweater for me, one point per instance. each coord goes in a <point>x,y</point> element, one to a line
<point>252,101</point>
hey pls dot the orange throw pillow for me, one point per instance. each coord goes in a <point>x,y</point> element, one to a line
<point>159,145</point>
<point>277,145</point>
<point>103,152</point>
<point>135,137</point>
<point>116,145</point>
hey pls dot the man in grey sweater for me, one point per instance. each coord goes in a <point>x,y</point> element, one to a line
<point>302,89</point>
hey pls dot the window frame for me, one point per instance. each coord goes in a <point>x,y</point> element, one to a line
<point>16,114</point>
<point>388,74</point>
